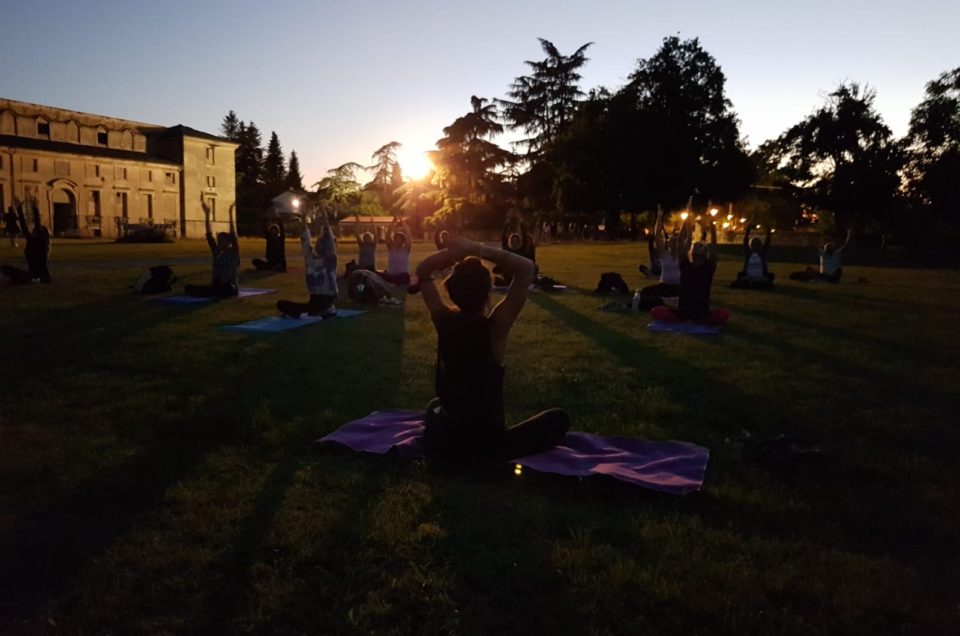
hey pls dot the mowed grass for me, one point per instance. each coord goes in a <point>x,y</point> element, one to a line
<point>157,474</point>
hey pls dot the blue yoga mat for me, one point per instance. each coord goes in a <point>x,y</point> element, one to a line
<point>274,324</point>
<point>690,328</point>
<point>193,300</point>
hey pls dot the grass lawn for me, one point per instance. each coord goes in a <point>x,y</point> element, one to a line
<point>157,476</point>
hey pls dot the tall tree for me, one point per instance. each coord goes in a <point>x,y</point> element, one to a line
<point>249,169</point>
<point>933,147</point>
<point>467,163</point>
<point>274,170</point>
<point>681,100</point>
<point>341,190</point>
<point>384,166</point>
<point>843,159</point>
<point>540,104</point>
<point>294,178</point>
<point>230,127</point>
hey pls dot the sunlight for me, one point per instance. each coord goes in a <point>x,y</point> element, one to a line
<point>415,165</point>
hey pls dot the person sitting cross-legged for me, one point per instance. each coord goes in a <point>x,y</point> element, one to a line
<point>320,272</point>
<point>831,264</point>
<point>696,279</point>
<point>226,261</point>
<point>398,253</point>
<point>466,419</point>
<point>754,274</point>
<point>276,237</point>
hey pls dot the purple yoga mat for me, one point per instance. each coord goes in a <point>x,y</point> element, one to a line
<point>671,467</point>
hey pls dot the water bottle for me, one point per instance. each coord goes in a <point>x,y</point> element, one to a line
<point>635,305</point>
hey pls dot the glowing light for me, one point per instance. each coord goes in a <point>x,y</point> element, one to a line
<point>684,215</point>
<point>729,216</point>
<point>726,225</point>
<point>414,165</point>
<point>296,204</point>
<point>772,230</point>
<point>517,469</point>
<point>714,211</point>
<point>758,226</point>
<point>743,220</point>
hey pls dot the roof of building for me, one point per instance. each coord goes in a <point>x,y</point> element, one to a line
<point>187,131</point>
<point>28,143</point>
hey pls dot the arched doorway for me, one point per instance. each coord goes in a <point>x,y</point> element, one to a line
<point>64,212</point>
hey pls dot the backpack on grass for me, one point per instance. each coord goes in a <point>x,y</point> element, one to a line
<point>611,283</point>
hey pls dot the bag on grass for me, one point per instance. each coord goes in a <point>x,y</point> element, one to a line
<point>611,283</point>
<point>156,280</point>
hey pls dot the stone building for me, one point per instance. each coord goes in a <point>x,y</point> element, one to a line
<point>94,175</point>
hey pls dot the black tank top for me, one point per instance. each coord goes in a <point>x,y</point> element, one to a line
<point>469,381</point>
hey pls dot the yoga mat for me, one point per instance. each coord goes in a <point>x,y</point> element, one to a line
<point>690,328</point>
<point>504,288</point>
<point>193,300</point>
<point>274,324</point>
<point>671,467</point>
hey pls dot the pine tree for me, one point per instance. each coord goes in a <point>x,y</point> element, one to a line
<point>274,172</point>
<point>294,178</point>
<point>230,128</point>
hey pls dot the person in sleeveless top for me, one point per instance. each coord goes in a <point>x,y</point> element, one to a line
<point>668,250</point>
<point>398,253</point>
<point>754,274</point>
<point>831,264</point>
<point>466,419</point>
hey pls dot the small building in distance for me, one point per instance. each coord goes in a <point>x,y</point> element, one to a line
<point>95,176</point>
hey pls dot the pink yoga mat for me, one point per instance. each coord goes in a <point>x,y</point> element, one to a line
<point>671,467</point>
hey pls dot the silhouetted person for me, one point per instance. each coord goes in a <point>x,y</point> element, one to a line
<point>754,274</point>
<point>226,261</point>
<point>276,260</point>
<point>466,419</point>
<point>10,226</point>
<point>36,251</point>
<point>521,243</point>
<point>367,246</point>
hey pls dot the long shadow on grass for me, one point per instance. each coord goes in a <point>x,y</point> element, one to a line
<point>299,373</point>
<point>680,378</point>
<point>308,369</point>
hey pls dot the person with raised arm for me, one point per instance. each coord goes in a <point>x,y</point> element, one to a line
<point>226,260</point>
<point>367,246</point>
<point>696,279</point>
<point>36,251</point>
<point>754,274</point>
<point>320,273</point>
<point>398,253</point>
<point>276,260</point>
<point>668,255</point>
<point>466,419</point>
<point>831,264</point>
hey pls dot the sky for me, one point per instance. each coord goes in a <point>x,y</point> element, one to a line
<point>337,80</point>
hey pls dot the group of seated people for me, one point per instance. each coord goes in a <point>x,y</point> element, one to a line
<point>685,269</point>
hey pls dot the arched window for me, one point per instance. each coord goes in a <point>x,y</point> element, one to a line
<point>43,128</point>
<point>101,136</point>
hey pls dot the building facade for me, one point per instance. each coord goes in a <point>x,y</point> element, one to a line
<point>97,176</point>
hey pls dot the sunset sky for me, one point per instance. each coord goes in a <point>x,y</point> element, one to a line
<point>338,80</point>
